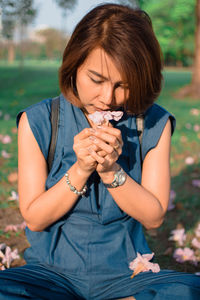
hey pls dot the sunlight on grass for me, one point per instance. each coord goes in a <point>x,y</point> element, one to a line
<point>37,81</point>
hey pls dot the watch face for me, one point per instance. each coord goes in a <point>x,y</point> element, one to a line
<point>119,179</point>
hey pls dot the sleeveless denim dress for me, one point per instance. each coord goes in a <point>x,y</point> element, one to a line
<point>86,253</point>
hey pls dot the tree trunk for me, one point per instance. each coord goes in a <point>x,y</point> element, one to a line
<point>11,52</point>
<point>196,72</point>
<point>193,90</point>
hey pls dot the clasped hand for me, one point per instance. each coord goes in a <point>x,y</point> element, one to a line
<point>98,148</point>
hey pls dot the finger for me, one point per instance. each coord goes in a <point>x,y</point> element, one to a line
<point>96,156</point>
<point>118,148</point>
<point>101,144</point>
<point>102,153</point>
<point>109,134</point>
<point>85,133</point>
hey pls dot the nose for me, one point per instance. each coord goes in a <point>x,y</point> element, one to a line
<point>107,95</point>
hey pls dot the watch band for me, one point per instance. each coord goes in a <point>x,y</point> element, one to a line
<point>119,179</point>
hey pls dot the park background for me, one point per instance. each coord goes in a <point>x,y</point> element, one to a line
<point>30,56</point>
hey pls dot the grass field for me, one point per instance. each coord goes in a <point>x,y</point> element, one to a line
<point>21,88</point>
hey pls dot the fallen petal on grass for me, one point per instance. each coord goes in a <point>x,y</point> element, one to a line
<point>6,139</point>
<point>14,196</point>
<point>14,130</point>
<point>185,254</point>
<point>12,177</point>
<point>5,154</point>
<point>15,227</point>
<point>189,160</point>
<point>196,182</point>
<point>178,235</point>
<point>194,111</point>
<point>7,256</point>
<point>195,243</point>
<point>172,196</point>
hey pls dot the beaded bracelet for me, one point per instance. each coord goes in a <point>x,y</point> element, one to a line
<point>73,189</point>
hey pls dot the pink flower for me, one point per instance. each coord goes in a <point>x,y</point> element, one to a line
<point>172,196</point>
<point>194,112</point>
<point>6,117</point>
<point>6,139</point>
<point>195,243</point>
<point>14,196</point>
<point>142,264</point>
<point>188,126</point>
<point>17,227</point>
<point>11,227</point>
<point>100,116</point>
<point>189,160</point>
<point>178,235</point>
<point>196,182</point>
<point>9,256</point>
<point>196,127</point>
<point>5,154</point>
<point>22,226</point>
<point>183,139</point>
<point>186,254</point>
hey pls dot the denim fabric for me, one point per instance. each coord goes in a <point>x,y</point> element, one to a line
<point>87,252</point>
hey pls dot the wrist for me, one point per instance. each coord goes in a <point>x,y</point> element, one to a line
<point>108,176</point>
<point>80,172</point>
<point>119,179</point>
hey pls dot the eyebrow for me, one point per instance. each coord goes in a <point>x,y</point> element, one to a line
<point>101,76</point>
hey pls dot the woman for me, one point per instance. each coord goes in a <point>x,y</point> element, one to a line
<point>84,219</point>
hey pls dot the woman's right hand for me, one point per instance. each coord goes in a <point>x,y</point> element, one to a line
<point>82,147</point>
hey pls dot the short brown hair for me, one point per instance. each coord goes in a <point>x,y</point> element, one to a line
<point>127,36</point>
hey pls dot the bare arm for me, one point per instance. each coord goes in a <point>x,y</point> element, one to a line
<point>147,202</point>
<point>41,208</point>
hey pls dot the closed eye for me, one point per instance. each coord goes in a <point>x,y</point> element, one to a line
<point>121,85</point>
<point>96,81</point>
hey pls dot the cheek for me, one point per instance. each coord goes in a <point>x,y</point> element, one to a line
<point>86,89</point>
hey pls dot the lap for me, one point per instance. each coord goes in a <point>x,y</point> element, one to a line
<point>34,282</point>
<point>43,282</point>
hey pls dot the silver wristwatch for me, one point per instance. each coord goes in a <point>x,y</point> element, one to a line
<point>119,179</point>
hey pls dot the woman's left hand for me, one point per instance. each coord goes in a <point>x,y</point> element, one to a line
<point>109,144</point>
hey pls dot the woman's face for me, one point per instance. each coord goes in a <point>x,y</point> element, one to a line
<point>99,84</point>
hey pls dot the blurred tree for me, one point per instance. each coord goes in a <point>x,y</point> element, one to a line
<point>133,3</point>
<point>65,5</point>
<point>174,25</point>
<point>54,41</point>
<point>193,90</point>
<point>15,12</point>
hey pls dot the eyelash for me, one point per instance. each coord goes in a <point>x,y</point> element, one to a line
<point>96,81</point>
<point>101,81</point>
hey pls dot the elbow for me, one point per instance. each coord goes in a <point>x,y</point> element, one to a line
<point>34,227</point>
<point>32,223</point>
<point>154,224</point>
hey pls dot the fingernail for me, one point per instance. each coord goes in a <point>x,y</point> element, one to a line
<point>92,130</point>
<point>92,138</point>
<point>90,150</point>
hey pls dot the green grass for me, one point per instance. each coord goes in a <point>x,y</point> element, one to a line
<point>37,81</point>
